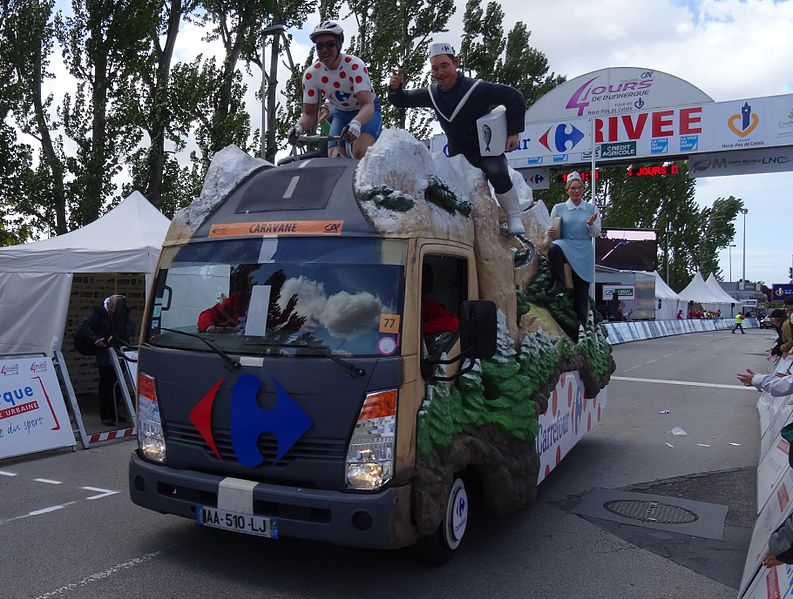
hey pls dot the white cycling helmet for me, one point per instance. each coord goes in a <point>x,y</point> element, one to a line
<point>328,28</point>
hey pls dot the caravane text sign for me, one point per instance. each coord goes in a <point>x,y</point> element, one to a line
<point>33,416</point>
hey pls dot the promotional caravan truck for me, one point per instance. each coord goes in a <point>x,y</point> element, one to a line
<point>349,351</point>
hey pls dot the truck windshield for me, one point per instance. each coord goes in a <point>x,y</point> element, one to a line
<point>289,296</point>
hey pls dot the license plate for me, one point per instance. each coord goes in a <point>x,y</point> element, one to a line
<point>259,526</point>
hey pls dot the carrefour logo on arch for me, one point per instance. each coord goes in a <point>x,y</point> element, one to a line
<point>287,421</point>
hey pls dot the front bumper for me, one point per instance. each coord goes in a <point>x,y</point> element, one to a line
<point>378,520</point>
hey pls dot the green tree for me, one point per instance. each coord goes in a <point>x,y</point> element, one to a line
<point>486,54</point>
<point>28,33</point>
<point>397,33</point>
<point>105,47</point>
<point>152,108</point>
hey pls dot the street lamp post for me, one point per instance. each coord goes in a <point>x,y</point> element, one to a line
<point>729,254</point>
<point>744,211</point>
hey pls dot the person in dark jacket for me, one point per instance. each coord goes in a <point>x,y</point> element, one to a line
<point>107,326</point>
<point>458,102</point>
<point>777,317</point>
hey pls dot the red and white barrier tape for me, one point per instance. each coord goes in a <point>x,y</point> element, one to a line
<point>109,435</point>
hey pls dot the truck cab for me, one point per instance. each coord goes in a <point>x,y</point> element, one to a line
<point>288,347</point>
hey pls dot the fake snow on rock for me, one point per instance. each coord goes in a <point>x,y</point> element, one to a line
<point>399,162</point>
<point>229,167</point>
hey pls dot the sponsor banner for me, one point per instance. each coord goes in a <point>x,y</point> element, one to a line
<point>33,416</point>
<point>276,228</point>
<point>615,91</point>
<point>616,150</point>
<point>772,514</point>
<point>537,178</point>
<point>683,127</point>
<point>744,162</point>
<point>624,292</point>
<point>771,584</point>
<point>780,291</point>
<point>569,417</point>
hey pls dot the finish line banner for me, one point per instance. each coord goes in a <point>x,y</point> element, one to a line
<point>33,415</point>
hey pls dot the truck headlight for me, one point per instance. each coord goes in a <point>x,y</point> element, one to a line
<point>151,439</point>
<point>370,455</point>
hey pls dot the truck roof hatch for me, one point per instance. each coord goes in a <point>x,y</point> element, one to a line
<point>280,190</point>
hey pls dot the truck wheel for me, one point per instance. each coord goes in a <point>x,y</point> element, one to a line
<point>439,547</point>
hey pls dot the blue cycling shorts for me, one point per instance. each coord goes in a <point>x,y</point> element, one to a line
<point>342,118</point>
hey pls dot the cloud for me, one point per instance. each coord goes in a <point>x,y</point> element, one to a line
<point>343,314</point>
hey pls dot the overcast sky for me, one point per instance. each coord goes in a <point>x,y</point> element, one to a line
<point>729,49</point>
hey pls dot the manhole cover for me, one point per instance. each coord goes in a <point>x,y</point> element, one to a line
<point>650,511</point>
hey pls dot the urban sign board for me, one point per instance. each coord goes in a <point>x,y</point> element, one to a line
<point>743,162</point>
<point>33,416</point>
<point>779,291</point>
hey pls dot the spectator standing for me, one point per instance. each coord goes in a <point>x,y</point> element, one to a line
<point>107,326</point>
<point>787,328</point>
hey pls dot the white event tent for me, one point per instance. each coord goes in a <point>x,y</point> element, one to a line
<point>700,292</point>
<point>669,301</point>
<point>36,278</point>
<point>717,289</point>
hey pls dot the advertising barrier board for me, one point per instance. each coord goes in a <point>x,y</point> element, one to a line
<point>33,415</point>
<point>570,415</point>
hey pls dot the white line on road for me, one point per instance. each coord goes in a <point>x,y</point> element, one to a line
<point>98,576</point>
<point>680,351</point>
<point>651,361</point>
<point>102,492</point>
<point>47,481</point>
<point>667,355</point>
<point>632,368</point>
<point>6,473</point>
<point>684,383</point>
<point>46,510</point>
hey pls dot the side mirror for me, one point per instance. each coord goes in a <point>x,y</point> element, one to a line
<point>478,328</point>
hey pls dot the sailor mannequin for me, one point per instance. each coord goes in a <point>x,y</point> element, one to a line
<point>458,102</point>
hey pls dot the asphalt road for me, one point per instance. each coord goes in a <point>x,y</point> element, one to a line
<point>84,538</point>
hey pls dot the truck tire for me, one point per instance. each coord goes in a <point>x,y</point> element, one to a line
<point>439,547</point>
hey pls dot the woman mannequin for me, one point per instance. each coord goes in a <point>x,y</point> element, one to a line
<point>580,223</point>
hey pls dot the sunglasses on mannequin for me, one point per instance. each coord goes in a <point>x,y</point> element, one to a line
<point>322,45</point>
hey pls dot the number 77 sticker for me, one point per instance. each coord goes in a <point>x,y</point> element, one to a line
<point>389,323</point>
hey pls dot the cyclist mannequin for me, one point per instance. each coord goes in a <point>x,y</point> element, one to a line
<point>343,80</point>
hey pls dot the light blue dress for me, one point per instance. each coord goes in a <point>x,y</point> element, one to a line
<point>576,238</point>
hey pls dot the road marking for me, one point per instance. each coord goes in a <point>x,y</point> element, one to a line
<point>651,361</point>
<point>668,355</point>
<point>46,510</point>
<point>684,383</point>
<point>99,576</point>
<point>680,351</point>
<point>47,481</point>
<point>6,473</point>
<point>632,368</point>
<point>102,492</point>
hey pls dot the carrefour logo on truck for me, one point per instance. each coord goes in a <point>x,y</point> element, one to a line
<point>287,421</point>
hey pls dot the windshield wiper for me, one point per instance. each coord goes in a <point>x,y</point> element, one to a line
<point>231,362</point>
<point>351,368</point>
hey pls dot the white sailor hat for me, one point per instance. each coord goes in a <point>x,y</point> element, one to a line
<point>441,48</point>
<point>573,176</point>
